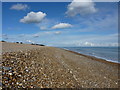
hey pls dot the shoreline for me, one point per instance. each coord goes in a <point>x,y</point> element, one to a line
<point>77,53</point>
<point>92,57</point>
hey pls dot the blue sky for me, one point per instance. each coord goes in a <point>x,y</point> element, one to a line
<point>61,23</point>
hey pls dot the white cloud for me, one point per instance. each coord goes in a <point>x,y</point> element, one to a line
<point>29,41</point>
<point>36,35</point>
<point>85,40</point>
<point>98,24</point>
<point>58,32</point>
<point>43,27</point>
<point>61,25</point>
<point>81,7</point>
<point>88,44</point>
<point>19,7</point>
<point>66,39</point>
<point>33,17</point>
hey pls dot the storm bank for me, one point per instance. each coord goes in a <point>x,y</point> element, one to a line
<point>31,66</point>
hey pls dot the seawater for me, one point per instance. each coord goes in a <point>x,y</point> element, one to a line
<point>106,53</point>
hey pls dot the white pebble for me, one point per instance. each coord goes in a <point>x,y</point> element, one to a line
<point>10,73</point>
<point>70,71</point>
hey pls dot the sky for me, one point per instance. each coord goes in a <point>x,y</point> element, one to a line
<point>62,24</point>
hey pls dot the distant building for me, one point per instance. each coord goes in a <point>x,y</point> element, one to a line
<point>3,41</point>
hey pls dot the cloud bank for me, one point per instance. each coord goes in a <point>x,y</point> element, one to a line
<point>19,7</point>
<point>81,7</point>
<point>33,17</point>
<point>61,26</point>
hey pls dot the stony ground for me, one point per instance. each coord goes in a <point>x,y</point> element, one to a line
<point>48,67</point>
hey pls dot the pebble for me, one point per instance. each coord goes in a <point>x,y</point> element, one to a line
<point>20,84</point>
<point>19,75</point>
<point>10,73</point>
<point>29,70</point>
<point>17,83</point>
<point>26,70</point>
<point>71,72</point>
<point>105,77</point>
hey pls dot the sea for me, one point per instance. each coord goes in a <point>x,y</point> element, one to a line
<point>106,53</point>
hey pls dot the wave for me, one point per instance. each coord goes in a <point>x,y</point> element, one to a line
<point>93,55</point>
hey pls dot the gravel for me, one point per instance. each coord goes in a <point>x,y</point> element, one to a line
<point>49,67</point>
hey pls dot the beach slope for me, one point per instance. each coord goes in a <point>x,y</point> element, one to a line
<point>32,66</point>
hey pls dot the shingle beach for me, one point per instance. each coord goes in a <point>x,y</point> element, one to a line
<point>32,66</point>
